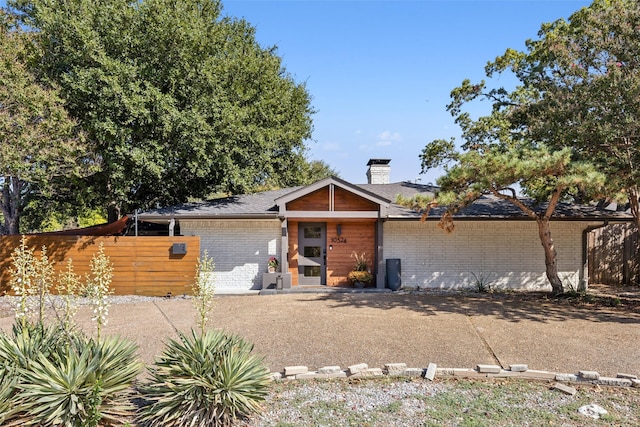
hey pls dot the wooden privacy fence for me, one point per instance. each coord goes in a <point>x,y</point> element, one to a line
<point>613,252</point>
<point>141,265</point>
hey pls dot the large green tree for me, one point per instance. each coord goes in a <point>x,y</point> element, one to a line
<point>41,148</point>
<point>583,80</point>
<point>180,100</point>
<point>577,99</point>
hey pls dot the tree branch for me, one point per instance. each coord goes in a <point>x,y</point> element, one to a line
<point>513,199</point>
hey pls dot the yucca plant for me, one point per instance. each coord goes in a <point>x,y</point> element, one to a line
<point>203,290</point>
<point>86,384</point>
<point>29,340</point>
<point>18,350</point>
<point>205,379</point>
<point>22,271</point>
<point>98,287</point>
<point>8,381</point>
<point>67,379</point>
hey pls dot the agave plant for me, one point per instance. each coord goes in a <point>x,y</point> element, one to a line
<point>207,379</point>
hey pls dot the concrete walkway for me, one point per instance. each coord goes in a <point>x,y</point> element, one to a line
<point>454,331</point>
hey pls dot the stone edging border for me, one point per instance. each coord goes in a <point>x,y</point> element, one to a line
<point>519,371</point>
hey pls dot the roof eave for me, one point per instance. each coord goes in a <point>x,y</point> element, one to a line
<point>205,216</point>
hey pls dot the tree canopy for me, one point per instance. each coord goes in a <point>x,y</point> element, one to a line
<point>582,78</point>
<point>568,130</point>
<point>180,100</point>
<point>41,147</point>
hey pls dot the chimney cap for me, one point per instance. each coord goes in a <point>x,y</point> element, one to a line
<point>378,162</point>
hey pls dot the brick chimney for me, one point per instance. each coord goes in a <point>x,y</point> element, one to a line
<point>379,171</point>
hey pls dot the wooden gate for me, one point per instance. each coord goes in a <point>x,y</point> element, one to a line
<point>613,254</point>
<point>141,265</point>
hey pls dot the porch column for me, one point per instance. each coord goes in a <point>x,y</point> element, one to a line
<point>284,246</point>
<point>380,279</point>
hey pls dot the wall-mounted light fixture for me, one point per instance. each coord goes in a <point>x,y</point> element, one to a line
<point>330,247</point>
<point>339,229</point>
<point>179,249</point>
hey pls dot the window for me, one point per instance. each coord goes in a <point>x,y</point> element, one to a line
<point>312,232</point>
<point>312,251</point>
<point>311,271</point>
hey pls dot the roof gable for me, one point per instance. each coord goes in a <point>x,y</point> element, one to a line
<point>332,197</point>
<point>303,191</point>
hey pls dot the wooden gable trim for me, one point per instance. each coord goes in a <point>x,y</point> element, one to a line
<point>331,184</point>
<point>332,215</point>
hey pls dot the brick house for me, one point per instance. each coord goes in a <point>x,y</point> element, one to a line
<point>314,230</point>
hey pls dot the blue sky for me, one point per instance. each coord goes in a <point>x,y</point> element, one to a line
<point>380,72</point>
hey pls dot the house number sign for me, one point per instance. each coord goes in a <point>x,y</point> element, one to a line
<point>338,240</point>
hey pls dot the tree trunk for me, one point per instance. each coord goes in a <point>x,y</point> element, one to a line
<point>550,256</point>
<point>113,213</point>
<point>11,205</point>
<point>634,204</point>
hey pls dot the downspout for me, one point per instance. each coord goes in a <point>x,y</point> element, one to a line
<point>380,279</point>
<point>172,224</point>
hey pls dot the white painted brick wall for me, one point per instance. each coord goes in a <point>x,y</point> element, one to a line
<point>508,254</point>
<point>239,248</point>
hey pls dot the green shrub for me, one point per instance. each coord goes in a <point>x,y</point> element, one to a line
<point>66,379</point>
<point>206,379</point>
<point>360,276</point>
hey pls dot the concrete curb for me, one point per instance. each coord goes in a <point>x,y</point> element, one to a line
<point>519,371</point>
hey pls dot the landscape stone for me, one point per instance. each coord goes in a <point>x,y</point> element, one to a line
<point>566,377</point>
<point>309,376</point>
<point>627,376</point>
<point>537,375</point>
<point>354,369</point>
<point>444,372</point>
<point>565,389</point>
<point>341,374</point>
<point>395,368</point>
<point>504,374</point>
<point>431,371</point>
<point>318,375</point>
<point>295,370</point>
<point>589,375</point>
<point>329,370</point>
<point>635,383</point>
<point>518,367</point>
<point>367,373</point>
<point>618,382</point>
<point>468,373</point>
<point>489,369</point>
<point>414,372</point>
<point>275,376</point>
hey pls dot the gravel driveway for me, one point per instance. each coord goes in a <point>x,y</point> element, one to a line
<point>451,330</point>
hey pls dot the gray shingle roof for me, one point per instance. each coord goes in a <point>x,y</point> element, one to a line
<point>249,205</point>
<point>262,205</point>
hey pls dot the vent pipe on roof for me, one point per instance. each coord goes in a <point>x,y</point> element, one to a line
<point>379,171</point>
